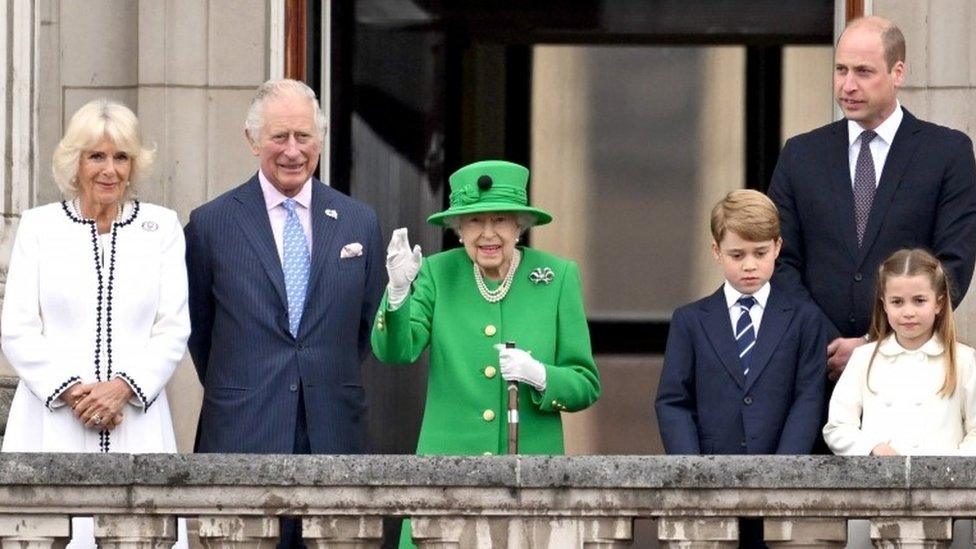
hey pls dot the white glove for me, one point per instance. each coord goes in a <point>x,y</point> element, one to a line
<point>518,365</point>
<point>402,266</point>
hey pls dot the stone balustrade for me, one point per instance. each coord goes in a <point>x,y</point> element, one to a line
<point>511,501</point>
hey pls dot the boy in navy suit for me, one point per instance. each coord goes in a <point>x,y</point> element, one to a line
<point>744,367</point>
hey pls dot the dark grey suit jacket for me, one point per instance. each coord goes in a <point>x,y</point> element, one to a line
<point>926,198</point>
<point>248,362</point>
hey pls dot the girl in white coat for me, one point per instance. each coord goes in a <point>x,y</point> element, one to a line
<point>913,390</point>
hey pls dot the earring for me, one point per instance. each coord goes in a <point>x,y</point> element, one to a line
<point>461,240</point>
<point>518,239</point>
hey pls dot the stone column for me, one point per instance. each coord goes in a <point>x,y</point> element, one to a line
<point>34,531</point>
<point>342,531</point>
<point>813,532</point>
<point>135,531</point>
<point>698,533</point>
<point>909,533</point>
<point>228,531</point>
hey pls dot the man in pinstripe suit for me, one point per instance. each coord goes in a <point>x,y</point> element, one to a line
<point>285,276</point>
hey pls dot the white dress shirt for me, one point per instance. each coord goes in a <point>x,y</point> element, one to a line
<point>879,146</point>
<point>756,312</point>
<point>277,213</point>
<point>902,406</point>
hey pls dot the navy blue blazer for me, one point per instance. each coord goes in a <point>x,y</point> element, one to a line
<point>926,198</point>
<point>705,405</point>
<point>247,360</point>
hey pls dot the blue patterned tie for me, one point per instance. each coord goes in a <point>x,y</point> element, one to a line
<point>297,261</point>
<point>745,333</point>
<point>864,184</point>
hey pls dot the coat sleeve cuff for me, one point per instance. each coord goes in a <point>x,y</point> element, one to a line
<point>53,401</point>
<point>139,397</point>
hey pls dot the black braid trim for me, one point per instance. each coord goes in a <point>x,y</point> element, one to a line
<point>61,388</point>
<point>135,387</point>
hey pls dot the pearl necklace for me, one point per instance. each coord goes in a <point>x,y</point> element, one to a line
<point>494,296</point>
<point>76,204</point>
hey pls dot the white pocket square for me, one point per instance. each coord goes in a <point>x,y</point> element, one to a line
<point>354,249</point>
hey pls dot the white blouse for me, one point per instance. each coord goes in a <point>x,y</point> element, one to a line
<point>72,313</point>
<point>902,406</point>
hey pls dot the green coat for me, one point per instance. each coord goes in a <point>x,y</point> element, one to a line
<point>466,395</point>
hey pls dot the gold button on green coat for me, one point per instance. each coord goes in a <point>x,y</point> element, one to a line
<point>490,330</point>
<point>488,415</point>
<point>490,372</point>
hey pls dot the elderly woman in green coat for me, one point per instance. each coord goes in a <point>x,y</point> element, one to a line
<point>467,303</point>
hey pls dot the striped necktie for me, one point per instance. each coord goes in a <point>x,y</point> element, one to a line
<point>745,333</point>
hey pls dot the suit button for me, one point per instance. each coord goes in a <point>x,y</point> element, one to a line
<point>858,277</point>
<point>490,330</point>
<point>490,371</point>
<point>488,415</point>
<point>742,443</point>
<point>747,400</point>
<point>851,319</point>
<point>300,347</point>
<point>293,387</point>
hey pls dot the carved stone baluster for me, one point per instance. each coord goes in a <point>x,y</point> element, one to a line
<point>698,533</point>
<point>230,531</point>
<point>135,531</point>
<point>588,532</point>
<point>34,531</point>
<point>909,533</point>
<point>342,531</point>
<point>828,533</point>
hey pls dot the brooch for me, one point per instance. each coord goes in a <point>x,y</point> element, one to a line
<point>149,226</point>
<point>542,275</point>
<point>332,213</point>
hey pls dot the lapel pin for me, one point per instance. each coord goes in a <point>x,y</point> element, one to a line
<point>332,213</point>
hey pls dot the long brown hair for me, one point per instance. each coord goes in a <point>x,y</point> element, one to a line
<point>917,262</point>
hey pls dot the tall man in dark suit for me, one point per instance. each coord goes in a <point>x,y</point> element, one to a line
<point>285,276</point>
<point>852,192</point>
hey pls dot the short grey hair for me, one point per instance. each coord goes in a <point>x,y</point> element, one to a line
<point>94,121</point>
<point>278,88</point>
<point>524,220</point>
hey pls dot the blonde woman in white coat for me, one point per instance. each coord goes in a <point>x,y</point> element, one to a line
<point>95,314</point>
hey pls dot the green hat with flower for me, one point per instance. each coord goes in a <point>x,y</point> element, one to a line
<point>490,186</point>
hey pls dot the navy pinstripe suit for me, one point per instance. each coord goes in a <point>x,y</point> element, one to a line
<point>251,368</point>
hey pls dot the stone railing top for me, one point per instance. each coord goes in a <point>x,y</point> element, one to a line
<point>636,472</point>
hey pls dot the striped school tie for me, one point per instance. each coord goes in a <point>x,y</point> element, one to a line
<point>745,333</point>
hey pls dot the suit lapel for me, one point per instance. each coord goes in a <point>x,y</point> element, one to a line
<point>323,234</point>
<point>899,155</point>
<point>256,226</point>
<point>776,318</point>
<point>838,161</point>
<point>718,329</point>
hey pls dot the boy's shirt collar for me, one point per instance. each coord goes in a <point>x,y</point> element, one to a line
<point>732,295</point>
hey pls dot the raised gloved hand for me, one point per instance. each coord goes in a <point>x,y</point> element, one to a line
<point>402,266</point>
<point>518,365</point>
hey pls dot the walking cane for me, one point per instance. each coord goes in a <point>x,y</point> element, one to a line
<point>513,419</point>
